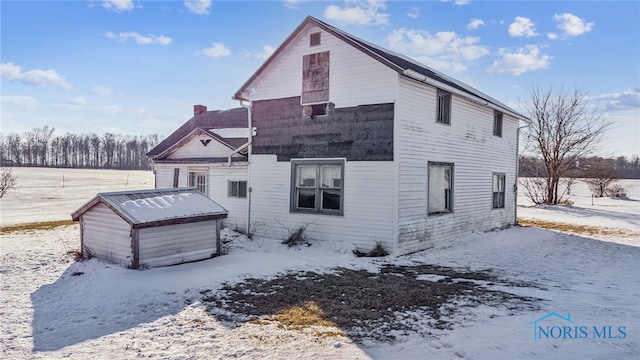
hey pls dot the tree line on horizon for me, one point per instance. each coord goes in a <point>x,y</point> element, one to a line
<point>619,167</point>
<point>41,148</point>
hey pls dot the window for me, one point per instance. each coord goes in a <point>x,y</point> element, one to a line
<point>440,188</point>
<point>314,39</point>
<point>444,107</point>
<point>498,191</point>
<point>237,189</point>
<point>198,179</point>
<point>316,186</point>
<point>497,123</point>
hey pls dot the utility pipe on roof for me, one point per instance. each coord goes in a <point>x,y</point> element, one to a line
<point>427,80</point>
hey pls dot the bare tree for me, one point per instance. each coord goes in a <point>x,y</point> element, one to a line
<point>563,129</point>
<point>599,176</point>
<point>7,180</point>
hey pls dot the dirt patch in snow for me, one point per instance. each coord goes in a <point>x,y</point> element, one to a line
<point>366,305</point>
<point>577,228</point>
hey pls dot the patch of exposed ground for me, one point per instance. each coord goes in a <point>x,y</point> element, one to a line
<point>363,304</point>
<point>43,225</point>
<point>577,229</point>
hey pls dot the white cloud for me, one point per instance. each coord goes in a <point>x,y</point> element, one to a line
<point>414,12</point>
<point>25,102</point>
<point>101,90</point>
<point>525,59</point>
<point>628,99</point>
<point>461,2</point>
<point>358,13</point>
<point>200,7</point>
<point>445,51</point>
<point>118,5</point>
<point>552,36</point>
<point>43,78</point>
<point>293,4</point>
<point>474,24</point>
<point>266,52</point>
<point>78,100</point>
<point>217,50</point>
<point>139,39</point>
<point>522,27</point>
<point>572,25</point>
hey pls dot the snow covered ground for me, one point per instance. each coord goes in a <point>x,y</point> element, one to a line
<point>53,307</point>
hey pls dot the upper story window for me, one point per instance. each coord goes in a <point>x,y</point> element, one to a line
<point>440,188</point>
<point>314,39</point>
<point>315,78</point>
<point>497,123</point>
<point>444,107</point>
<point>316,186</point>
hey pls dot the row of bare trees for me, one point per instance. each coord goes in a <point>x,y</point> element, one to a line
<point>588,167</point>
<point>39,147</point>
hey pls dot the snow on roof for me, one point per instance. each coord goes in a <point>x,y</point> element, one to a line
<point>231,132</point>
<point>139,207</point>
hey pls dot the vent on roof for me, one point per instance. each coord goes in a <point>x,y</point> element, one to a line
<point>314,39</point>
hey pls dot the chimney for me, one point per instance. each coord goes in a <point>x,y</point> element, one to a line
<point>199,109</point>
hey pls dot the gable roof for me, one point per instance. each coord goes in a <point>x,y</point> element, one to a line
<point>218,119</point>
<point>399,63</point>
<point>152,207</point>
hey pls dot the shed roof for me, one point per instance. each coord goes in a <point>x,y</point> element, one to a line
<point>145,208</point>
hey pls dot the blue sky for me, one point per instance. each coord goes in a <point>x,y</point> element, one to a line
<point>138,67</point>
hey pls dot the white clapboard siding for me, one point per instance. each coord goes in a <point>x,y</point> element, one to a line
<point>354,78</point>
<point>175,244</point>
<point>470,145</point>
<point>369,205</point>
<point>194,148</point>
<point>106,235</point>
<point>219,175</point>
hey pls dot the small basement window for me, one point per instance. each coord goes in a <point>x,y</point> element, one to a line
<point>314,39</point>
<point>237,189</point>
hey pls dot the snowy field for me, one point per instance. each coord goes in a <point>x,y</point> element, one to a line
<point>503,287</point>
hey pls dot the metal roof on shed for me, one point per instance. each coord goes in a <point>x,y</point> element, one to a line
<point>144,208</point>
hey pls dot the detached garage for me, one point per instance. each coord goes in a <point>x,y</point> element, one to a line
<point>146,228</point>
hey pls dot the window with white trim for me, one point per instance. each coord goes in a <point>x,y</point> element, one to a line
<point>198,179</point>
<point>444,107</point>
<point>237,189</point>
<point>498,191</point>
<point>316,186</point>
<point>497,123</point>
<point>440,188</point>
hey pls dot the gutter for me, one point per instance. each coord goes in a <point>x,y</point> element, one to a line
<point>478,100</point>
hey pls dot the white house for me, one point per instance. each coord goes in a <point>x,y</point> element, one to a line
<point>145,228</point>
<point>357,144</point>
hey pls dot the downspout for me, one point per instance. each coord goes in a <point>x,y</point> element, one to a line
<point>515,186</point>
<point>248,145</point>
